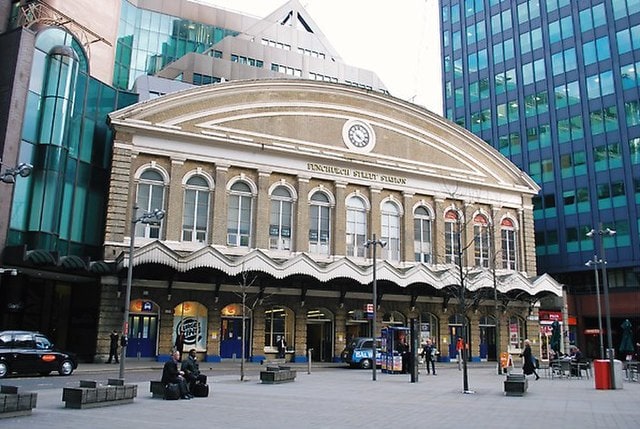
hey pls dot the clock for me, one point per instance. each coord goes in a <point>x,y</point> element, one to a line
<point>358,135</point>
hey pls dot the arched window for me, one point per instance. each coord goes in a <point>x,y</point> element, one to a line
<point>429,328</point>
<point>195,217</point>
<point>451,237</point>
<point>422,235</point>
<point>281,219</point>
<point>240,215</point>
<point>481,241</point>
<point>517,332</point>
<point>356,227</point>
<point>390,233</point>
<point>278,322</point>
<point>508,235</point>
<point>150,196</point>
<point>319,223</point>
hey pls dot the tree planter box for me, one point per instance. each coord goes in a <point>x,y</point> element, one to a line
<point>91,395</point>
<point>275,375</point>
<point>515,385</point>
<point>14,404</point>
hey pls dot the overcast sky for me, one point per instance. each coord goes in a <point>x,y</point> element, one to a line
<point>397,40</point>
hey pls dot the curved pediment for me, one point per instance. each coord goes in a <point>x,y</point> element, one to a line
<point>307,119</point>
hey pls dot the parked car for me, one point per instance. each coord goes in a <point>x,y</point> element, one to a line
<point>359,353</point>
<point>26,352</point>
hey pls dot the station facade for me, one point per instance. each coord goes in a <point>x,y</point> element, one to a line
<point>275,193</point>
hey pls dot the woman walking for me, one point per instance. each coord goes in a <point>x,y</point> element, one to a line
<point>528,366</point>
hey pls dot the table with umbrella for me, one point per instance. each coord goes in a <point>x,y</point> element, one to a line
<point>627,348</point>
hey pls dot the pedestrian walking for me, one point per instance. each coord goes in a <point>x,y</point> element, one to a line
<point>528,365</point>
<point>113,345</point>
<point>430,354</point>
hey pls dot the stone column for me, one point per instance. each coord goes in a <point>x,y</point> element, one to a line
<point>301,216</point>
<point>438,231</point>
<point>174,207</point>
<point>261,218</point>
<point>340,221</point>
<point>340,332</point>
<point>213,334</point>
<point>407,228</point>
<point>300,338</point>
<point>220,198</point>
<point>258,333</point>
<point>374,214</point>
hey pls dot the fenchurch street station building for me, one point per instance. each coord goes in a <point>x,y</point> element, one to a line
<point>271,190</point>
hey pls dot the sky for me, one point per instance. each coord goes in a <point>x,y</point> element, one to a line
<point>398,41</point>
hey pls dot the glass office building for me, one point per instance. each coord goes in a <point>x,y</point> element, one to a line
<point>555,86</point>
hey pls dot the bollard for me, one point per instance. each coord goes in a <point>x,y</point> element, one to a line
<point>309,361</point>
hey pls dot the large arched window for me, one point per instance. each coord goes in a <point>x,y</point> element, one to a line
<point>508,235</point>
<point>429,328</point>
<point>452,237</point>
<point>481,241</point>
<point>281,219</point>
<point>278,322</point>
<point>422,235</point>
<point>150,196</point>
<point>356,227</point>
<point>517,332</point>
<point>390,233</point>
<point>195,217</point>
<point>240,215</point>
<point>319,223</point>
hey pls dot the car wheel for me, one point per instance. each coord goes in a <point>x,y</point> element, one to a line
<point>365,364</point>
<point>66,368</point>
<point>4,369</point>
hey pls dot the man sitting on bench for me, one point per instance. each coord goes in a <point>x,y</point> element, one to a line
<point>171,374</point>
<point>191,370</point>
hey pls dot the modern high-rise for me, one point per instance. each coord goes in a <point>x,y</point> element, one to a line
<point>554,85</point>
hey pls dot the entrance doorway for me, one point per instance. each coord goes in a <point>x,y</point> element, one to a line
<point>488,349</point>
<point>231,338</point>
<point>320,334</point>
<point>143,333</point>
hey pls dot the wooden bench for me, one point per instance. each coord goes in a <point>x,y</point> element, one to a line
<point>515,385</point>
<point>14,404</point>
<point>90,395</point>
<point>277,374</point>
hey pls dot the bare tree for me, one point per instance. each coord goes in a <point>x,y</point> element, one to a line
<point>246,285</point>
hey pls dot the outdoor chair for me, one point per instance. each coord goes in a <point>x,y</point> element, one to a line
<point>582,365</point>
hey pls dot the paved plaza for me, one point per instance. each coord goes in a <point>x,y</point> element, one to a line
<point>338,397</point>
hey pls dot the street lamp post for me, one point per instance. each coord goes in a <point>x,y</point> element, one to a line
<point>147,217</point>
<point>605,284</point>
<point>9,175</point>
<point>375,244</point>
<point>595,263</point>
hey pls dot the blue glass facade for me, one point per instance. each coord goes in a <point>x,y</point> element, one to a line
<point>148,41</point>
<point>554,86</point>
<point>65,137</point>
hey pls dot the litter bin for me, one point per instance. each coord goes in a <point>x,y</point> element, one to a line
<point>618,373</point>
<point>601,374</point>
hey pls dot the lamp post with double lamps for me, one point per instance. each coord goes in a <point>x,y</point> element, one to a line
<point>9,175</point>
<point>605,284</point>
<point>146,217</point>
<point>595,263</point>
<point>375,243</point>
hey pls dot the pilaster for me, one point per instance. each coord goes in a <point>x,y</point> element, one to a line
<point>220,198</point>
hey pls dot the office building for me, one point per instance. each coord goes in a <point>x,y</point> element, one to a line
<point>553,85</point>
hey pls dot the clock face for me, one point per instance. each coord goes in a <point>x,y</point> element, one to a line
<point>359,135</point>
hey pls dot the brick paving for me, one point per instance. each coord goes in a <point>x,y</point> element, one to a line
<point>338,397</point>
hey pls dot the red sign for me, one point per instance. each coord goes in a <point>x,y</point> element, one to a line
<point>550,316</point>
